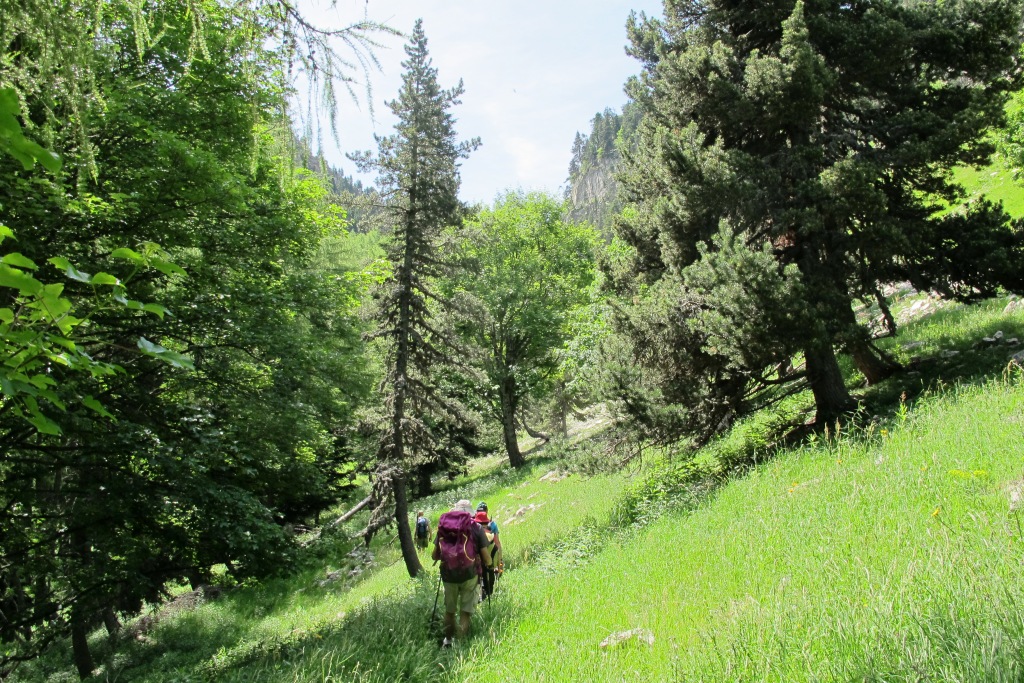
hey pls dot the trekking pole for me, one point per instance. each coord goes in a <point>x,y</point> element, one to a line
<point>433,613</point>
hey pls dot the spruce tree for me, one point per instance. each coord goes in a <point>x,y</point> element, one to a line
<point>794,158</point>
<point>419,181</point>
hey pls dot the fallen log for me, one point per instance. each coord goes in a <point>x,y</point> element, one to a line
<point>351,513</point>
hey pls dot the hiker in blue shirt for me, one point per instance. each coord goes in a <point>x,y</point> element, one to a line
<point>490,528</point>
<point>422,531</point>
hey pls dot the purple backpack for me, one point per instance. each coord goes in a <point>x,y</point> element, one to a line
<point>455,537</point>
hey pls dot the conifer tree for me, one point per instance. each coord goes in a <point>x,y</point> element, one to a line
<point>419,180</point>
<point>794,158</point>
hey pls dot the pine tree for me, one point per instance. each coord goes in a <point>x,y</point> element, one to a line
<point>419,180</point>
<point>794,157</point>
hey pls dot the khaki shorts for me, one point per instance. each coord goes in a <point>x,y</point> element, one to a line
<point>460,597</point>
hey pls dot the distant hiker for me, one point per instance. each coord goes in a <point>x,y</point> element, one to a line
<point>488,575</point>
<point>422,530</point>
<point>461,547</point>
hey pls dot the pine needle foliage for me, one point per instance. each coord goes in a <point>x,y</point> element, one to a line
<point>794,159</point>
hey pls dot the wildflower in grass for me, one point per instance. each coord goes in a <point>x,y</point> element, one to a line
<point>935,512</point>
<point>884,432</point>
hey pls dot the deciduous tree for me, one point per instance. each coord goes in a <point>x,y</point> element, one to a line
<point>524,271</point>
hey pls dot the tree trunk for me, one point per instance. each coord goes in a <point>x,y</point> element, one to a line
<point>79,614</point>
<point>831,398</point>
<point>405,540</point>
<point>424,487</point>
<point>532,432</point>
<point>111,621</point>
<point>872,363</point>
<point>828,293</point>
<point>80,644</point>
<point>507,391</point>
<point>874,366</point>
<point>563,410</point>
<point>348,515</point>
<point>199,577</point>
<point>890,321</point>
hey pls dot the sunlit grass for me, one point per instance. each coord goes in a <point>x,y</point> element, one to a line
<point>996,183</point>
<point>893,557</point>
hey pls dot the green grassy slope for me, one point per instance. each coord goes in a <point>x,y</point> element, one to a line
<point>996,183</point>
<point>894,556</point>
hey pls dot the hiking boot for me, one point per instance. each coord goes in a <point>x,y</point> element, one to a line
<point>447,642</point>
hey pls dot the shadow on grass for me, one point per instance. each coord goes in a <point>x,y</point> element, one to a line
<point>228,638</point>
<point>954,353</point>
<point>944,348</point>
<point>476,487</point>
<point>391,637</point>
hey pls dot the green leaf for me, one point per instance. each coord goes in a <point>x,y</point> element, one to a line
<point>16,259</point>
<point>43,424</point>
<point>16,279</point>
<point>172,358</point>
<point>64,265</point>
<point>149,347</point>
<point>96,406</point>
<point>54,306</point>
<point>6,232</point>
<point>42,381</point>
<point>6,315</point>
<point>13,140</point>
<point>61,341</point>
<point>167,268</point>
<point>127,254</point>
<point>104,279</point>
<point>52,398</point>
<point>157,309</point>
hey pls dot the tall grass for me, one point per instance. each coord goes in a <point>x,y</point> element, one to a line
<point>894,556</point>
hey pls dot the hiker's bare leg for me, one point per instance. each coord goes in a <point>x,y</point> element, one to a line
<point>464,623</point>
<point>449,624</point>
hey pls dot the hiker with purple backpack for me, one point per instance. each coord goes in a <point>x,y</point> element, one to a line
<point>461,547</point>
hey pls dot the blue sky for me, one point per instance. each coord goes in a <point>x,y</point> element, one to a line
<point>535,72</point>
